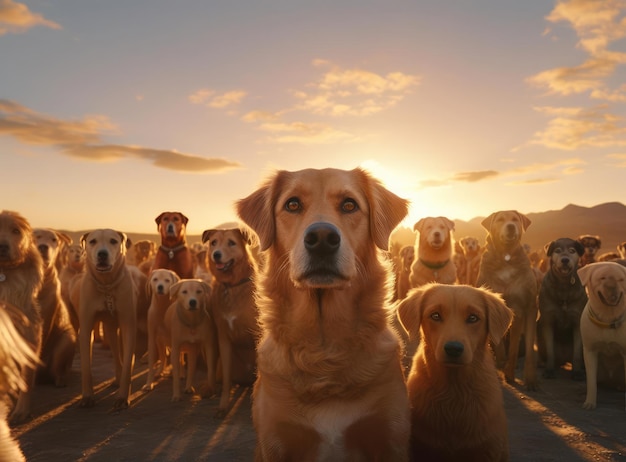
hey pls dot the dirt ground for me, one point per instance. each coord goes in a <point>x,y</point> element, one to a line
<point>546,425</point>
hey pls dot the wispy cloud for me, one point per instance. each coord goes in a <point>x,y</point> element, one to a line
<point>216,100</point>
<point>304,133</point>
<point>83,139</point>
<point>16,18</point>
<point>620,158</point>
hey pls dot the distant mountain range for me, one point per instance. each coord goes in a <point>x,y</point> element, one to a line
<point>605,220</point>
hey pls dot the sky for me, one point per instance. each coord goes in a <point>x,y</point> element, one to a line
<point>112,112</point>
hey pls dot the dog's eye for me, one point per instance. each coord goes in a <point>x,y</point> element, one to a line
<point>472,319</point>
<point>113,241</point>
<point>231,243</point>
<point>16,231</point>
<point>435,317</point>
<point>571,250</point>
<point>92,242</point>
<point>349,206</point>
<point>293,204</point>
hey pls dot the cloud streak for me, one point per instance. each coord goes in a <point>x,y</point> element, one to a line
<point>16,18</point>
<point>83,139</point>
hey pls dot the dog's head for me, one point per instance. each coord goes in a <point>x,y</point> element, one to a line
<point>105,249</point>
<point>75,257</point>
<point>470,245</point>
<point>454,320</point>
<point>226,249</point>
<point>605,283</point>
<point>191,294</point>
<point>407,255</point>
<point>172,226</point>
<point>16,239</point>
<point>591,244</point>
<point>564,254</point>
<point>506,227</point>
<point>160,282</point>
<point>434,231</point>
<point>50,244</point>
<point>322,225</point>
<point>144,250</point>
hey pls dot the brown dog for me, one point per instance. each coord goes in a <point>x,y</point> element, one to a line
<point>592,245</point>
<point>15,355</point>
<point>74,266</point>
<point>192,332</point>
<point>457,407</point>
<point>21,278</point>
<point>58,343</point>
<point>233,307</point>
<point>144,252</point>
<point>472,252</point>
<point>406,258</point>
<point>602,324</point>
<point>174,253</point>
<point>158,287</point>
<point>562,299</point>
<point>505,268</point>
<point>108,294</point>
<point>330,382</point>
<point>434,252</point>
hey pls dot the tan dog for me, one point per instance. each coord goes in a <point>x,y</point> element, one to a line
<point>174,253</point>
<point>158,287</point>
<point>406,258</point>
<point>505,268</point>
<point>144,252</point>
<point>107,293</point>
<point>15,355</point>
<point>472,252</point>
<point>602,323</point>
<point>21,278</point>
<point>58,343</point>
<point>233,307</point>
<point>457,407</point>
<point>330,382</point>
<point>434,252</point>
<point>75,266</point>
<point>192,332</point>
<point>592,245</point>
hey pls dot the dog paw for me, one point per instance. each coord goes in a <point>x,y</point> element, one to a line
<point>19,417</point>
<point>549,374</point>
<point>589,405</point>
<point>190,390</point>
<point>87,401</point>
<point>120,404</point>
<point>148,387</point>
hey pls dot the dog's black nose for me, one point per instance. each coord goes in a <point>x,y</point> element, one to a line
<point>453,349</point>
<point>193,303</point>
<point>322,238</point>
<point>217,256</point>
<point>4,249</point>
<point>103,255</point>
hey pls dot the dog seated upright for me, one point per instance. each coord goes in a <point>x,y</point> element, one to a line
<point>455,395</point>
<point>174,252</point>
<point>592,244</point>
<point>434,261</point>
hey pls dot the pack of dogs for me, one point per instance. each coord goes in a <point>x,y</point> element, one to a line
<point>356,347</point>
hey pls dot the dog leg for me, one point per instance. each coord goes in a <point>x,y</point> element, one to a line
<point>530,362</point>
<point>128,334</point>
<point>591,366</point>
<point>192,362</point>
<point>577,356</point>
<point>110,332</point>
<point>548,337</point>
<point>85,337</point>
<point>152,352</point>
<point>226,356</point>
<point>21,411</point>
<point>175,359</point>
<point>515,334</point>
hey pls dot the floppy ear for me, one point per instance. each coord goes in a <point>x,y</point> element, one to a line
<point>64,237</point>
<point>185,219</point>
<point>585,272</point>
<point>418,225</point>
<point>83,240</point>
<point>206,235</point>
<point>158,219</point>
<point>386,209</point>
<point>499,316</point>
<point>125,241</point>
<point>409,312</point>
<point>149,286</point>
<point>174,288</point>
<point>486,223</point>
<point>580,249</point>
<point>449,223</point>
<point>549,248</point>
<point>257,210</point>
<point>525,220</point>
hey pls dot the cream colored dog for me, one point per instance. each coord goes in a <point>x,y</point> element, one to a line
<point>107,293</point>
<point>192,332</point>
<point>158,287</point>
<point>602,323</point>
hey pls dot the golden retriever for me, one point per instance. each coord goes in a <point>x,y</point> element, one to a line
<point>74,266</point>
<point>434,252</point>
<point>158,287</point>
<point>472,251</point>
<point>174,252</point>
<point>455,394</point>
<point>233,307</point>
<point>406,258</point>
<point>505,268</point>
<point>330,384</point>
<point>21,278</point>
<point>108,294</point>
<point>191,331</point>
<point>144,252</point>
<point>15,355</point>
<point>58,343</point>
<point>602,323</point>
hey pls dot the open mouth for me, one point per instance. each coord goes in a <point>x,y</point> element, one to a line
<point>563,270</point>
<point>611,300</point>
<point>221,266</point>
<point>103,267</point>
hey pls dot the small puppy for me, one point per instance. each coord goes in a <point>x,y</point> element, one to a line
<point>592,245</point>
<point>15,355</point>
<point>21,279</point>
<point>562,299</point>
<point>457,407</point>
<point>434,252</point>
<point>191,331</point>
<point>602,324</point>
<point>158,288</point>
<point>108,294</point>
<point>58,343</point>
<point>505,268</point>
<point>233,308</point>
<point>174,253</point>
<point>406,258</point>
